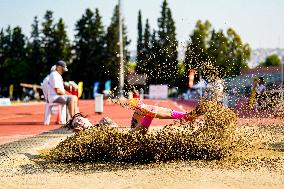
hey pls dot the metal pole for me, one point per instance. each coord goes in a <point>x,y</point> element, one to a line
<point>121,70</point>
<point>282,78</point>
<point>281,58</point>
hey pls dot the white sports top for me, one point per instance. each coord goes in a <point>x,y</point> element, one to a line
<point>55,81</point>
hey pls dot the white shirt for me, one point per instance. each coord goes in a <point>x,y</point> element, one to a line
<point>55,81</point>
<point>260,88</point>
<point>46,79</point>
<point>216,90</point>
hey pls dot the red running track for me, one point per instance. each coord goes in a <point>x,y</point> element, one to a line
<point>25,120</point>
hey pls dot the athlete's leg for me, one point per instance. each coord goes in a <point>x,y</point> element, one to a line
<point>136,118</point>
<point>157,111</point>
<point>143,126</point>
<point>150,110</point>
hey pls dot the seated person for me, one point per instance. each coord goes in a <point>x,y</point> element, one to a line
<point>56,91</point>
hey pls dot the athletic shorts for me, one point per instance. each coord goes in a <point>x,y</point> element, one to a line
<point>63,99</point>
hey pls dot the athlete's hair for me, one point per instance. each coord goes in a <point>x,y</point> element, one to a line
<point>69,123</point>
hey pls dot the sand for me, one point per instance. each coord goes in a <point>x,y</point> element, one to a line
<point>181,175</point>
<point>259,165</point>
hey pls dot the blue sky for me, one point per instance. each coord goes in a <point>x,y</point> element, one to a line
<point>259,22</point>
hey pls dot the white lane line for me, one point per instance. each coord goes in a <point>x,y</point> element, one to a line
<point>179,106</point>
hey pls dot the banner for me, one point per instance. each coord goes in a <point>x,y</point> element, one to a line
<point>96,89</point>
<point>158,91</point>
<point>107,87</point>
<point>80,89</point>
<point>11,89</point>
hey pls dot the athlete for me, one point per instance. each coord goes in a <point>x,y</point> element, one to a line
<point>142,117</point>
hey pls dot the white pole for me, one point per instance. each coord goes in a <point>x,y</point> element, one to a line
<point>281,80</point>
<point>121,70</point>
<point>281,58</point>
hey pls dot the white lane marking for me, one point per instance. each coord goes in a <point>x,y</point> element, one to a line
<point>179,106</point>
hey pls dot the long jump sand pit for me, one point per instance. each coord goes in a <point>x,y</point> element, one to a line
<point>223,156</point>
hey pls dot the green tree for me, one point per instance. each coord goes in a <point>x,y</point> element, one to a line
<point>214,53</point>
<point>145,65</point>
<point>7,42</point>
<point>228,53</point>
<point>112,62</point>
<point>99,48</point>
<point>35,54</point>
<point>49,49</point>
<point>272,60</point>
<point>139,48</point>
<point>16,68</point>
<point>238,54</point>
<point>218,51</point>
<point>61,42</point>
<point>82,46</point>
<point>168,44</point>
<point>90,49</point>
<point>5,47</point>
<point>153,69</point>
<point>55,42</point>
<point>2,52</point>
<point>196,50</point>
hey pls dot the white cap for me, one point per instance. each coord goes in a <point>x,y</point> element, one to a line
<point>53,68</point>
